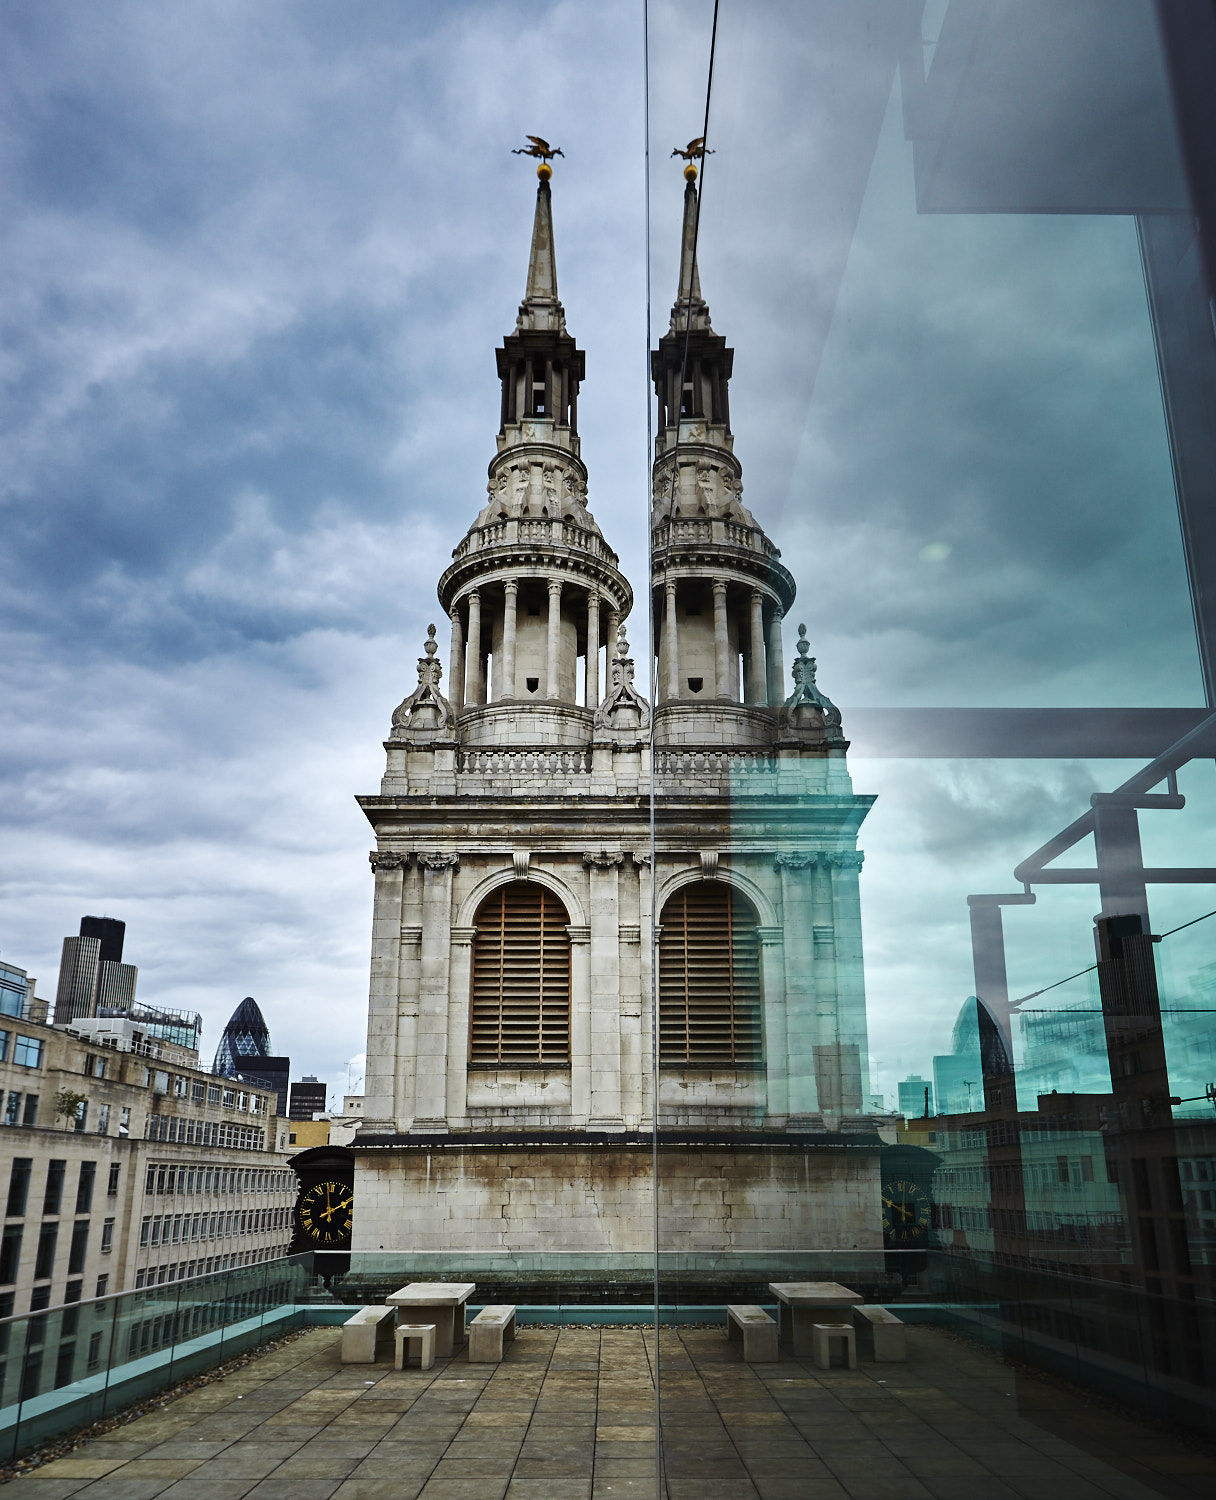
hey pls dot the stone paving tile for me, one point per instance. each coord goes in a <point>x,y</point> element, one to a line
<point>570,1413</point>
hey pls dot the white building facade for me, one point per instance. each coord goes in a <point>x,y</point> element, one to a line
<point>511,1095</point>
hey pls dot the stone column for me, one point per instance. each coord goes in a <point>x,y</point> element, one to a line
<point>671,642</point>
<point>506,689</point>
<point>801,1022</point>
<point>474,687</point>
<point>591,691</point>
<point>604,869</point>
<point>776,669</point>
<point>383,1063</point>
<point>553,646</point>
<point>580,1025</point>
<point>772,988</point>
<point>431,1093</point>
<point>755,674</point>
<point>456,674</point>
<point>461,969</point>
<point>723,686</point>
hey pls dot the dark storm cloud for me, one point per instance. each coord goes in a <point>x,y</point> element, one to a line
<point>258,261</point>
<point>258,258</point>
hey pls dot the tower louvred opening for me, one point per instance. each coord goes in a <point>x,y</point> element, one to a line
<point>709,979</point>
<point>521,980</point>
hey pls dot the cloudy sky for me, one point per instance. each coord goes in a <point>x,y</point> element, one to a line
<point>257,260</point>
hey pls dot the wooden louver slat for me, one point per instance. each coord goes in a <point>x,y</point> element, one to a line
<point>709,979</point>
<point>520,1013</point>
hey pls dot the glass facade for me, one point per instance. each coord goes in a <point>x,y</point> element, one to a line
<point>953,264</point>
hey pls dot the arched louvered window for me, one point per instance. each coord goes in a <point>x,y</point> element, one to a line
<point>521,980</point>
<point>709,979</point>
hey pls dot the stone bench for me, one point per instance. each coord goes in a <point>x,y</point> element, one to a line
<point>366,1333</point>
<point>889,1332</point>
<point>409,1334</point>
<point>824,1335</point>
<point>752,1327</point>
<point>487,1331</point>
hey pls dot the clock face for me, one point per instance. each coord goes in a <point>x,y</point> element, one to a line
<point>906,1212</point>
<point>325,1212</point>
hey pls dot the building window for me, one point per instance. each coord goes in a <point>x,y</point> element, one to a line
<point>52,1198</point>
<point>124,1122</point>
<point>84,1187</point>
<point>44,1258</point>
<point>709,979</point>
<point>81,1116</point>
<point>521,979</point>
<point>27,1051</point>
<point>107,1237</point>
<point>19,1186</point>
<point>3,1046</point>
<point>29,1115</point>
<point>12,1109</point>
<point>103,1119</point>
<point>198,1092</point>
<point>213,1093</point>
<point>10,1253</point>
<point>79,1245</point>
<point>103,1284</point>
<point>112,1184</point>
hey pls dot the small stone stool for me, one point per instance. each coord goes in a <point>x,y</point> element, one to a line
<point>822,1335</point>
<point>409,1334</point>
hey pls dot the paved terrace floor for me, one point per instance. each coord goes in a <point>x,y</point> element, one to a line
<point>569,1416</point>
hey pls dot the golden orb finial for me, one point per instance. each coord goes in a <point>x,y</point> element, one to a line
<point>544,171</point>
<point>690,173</point>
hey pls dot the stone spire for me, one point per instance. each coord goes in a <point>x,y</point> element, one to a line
<point>689,303</point>
<point>533,589</point>
<point>719,590</point>
<point>540,308</point>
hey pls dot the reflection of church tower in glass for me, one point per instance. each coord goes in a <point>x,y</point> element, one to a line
<point>720,592</point>
<point>510,1090</point>
<point>752,778</point>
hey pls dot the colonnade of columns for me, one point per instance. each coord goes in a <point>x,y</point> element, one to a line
<point>764,672</point>
<point>467,677</point>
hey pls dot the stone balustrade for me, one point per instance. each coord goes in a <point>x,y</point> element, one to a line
<point>534,533</point>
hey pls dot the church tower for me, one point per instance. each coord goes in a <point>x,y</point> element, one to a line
<point>510,1091</point>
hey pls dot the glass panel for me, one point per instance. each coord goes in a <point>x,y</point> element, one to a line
<point>932,665</point>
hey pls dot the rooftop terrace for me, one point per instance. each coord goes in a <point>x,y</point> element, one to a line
<point>569,1415</point>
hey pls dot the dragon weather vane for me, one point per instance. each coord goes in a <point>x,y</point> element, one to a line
<point>543,150</point>
<point>694,152</point>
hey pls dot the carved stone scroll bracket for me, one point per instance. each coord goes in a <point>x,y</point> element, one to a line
<point>641,859</point>
<point>709,864</point>
<point>520,860</point>
<point>606,859</point>
<point>387,859</point>
<point>822,859</point>
<point>439,861</point>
